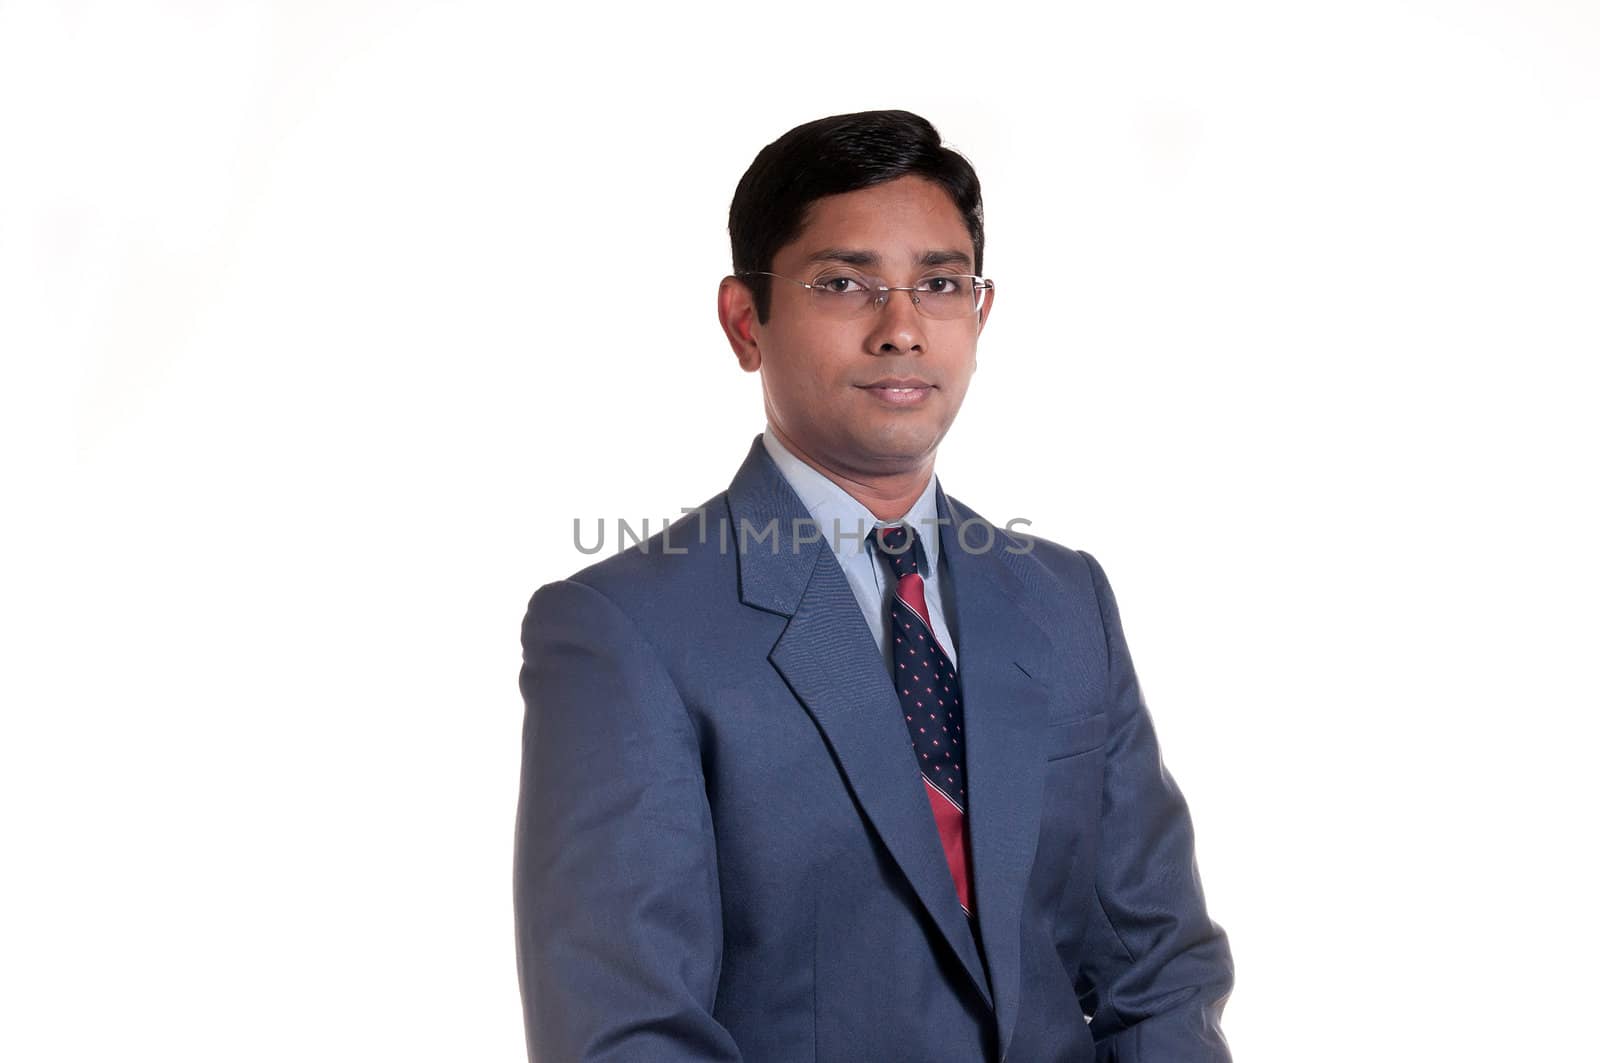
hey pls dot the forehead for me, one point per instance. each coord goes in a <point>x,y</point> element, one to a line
<point>899,221</point>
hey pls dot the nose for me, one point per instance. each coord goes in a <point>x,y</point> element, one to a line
<point>897,325</point>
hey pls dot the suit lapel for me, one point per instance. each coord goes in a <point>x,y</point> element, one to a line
<point>1000,649</point>
<point>828,657</point>
<point>830,661</point>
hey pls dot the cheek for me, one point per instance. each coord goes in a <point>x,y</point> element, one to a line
<point>954,391</point>
<point>961,349</point>
<point>802,372</point>
<point>822,356</point>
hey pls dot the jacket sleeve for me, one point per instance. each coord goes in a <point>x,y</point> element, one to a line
<point>618,910</point>
<point>1157,970</point>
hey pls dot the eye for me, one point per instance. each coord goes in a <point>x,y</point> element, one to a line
<point>839,284</point>
<point>943,285</point>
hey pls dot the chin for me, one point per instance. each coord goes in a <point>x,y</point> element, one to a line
<point>905,441</point>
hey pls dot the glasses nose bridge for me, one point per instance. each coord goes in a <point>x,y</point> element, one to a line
<point>880,295</point>
<point>897,330</point>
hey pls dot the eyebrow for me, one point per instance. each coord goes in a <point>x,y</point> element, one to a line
<point>853,257</point>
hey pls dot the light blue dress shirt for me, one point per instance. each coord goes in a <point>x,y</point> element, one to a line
<point>845,523</point>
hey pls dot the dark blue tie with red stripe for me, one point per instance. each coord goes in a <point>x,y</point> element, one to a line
<point>930,699</point>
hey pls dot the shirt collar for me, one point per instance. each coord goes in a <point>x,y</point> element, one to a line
<point>826,501</point>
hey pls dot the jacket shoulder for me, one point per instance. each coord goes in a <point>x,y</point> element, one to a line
<point>1061,588</point>
<point>639,574</point>
<point>1039,562</point>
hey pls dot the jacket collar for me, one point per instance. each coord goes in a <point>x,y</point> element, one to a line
<point>829,503</point>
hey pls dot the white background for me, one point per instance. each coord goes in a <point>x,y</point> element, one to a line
<point>321,322</point>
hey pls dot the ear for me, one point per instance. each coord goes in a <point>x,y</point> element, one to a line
<point>736,309</point>
<point>986,309</point>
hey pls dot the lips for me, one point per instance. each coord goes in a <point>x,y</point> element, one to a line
<point>900,392</point>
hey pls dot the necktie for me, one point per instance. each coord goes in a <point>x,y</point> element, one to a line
<point>930,699</point>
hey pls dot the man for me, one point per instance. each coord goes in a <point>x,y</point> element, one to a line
<point>833,768</point>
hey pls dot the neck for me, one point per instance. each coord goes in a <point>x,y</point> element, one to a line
<point>886,497</point>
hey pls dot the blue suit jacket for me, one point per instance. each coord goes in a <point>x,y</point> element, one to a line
<point>724,850</point>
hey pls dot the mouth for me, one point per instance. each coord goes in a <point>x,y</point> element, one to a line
<point>899,391</point>
<point>898,383</point>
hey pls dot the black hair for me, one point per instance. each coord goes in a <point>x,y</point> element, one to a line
<point>830,156</point>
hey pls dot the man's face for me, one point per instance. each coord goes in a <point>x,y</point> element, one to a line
<point>824,378</point>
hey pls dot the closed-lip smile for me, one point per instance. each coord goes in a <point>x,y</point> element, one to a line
<point>899,382</point>
<point>900,392</point>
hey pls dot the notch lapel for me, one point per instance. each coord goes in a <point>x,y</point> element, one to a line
<point>830,661</point>
<point>1002,650</point>
<point>827,656</point>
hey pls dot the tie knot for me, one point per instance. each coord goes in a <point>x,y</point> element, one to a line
<point>901,546</point>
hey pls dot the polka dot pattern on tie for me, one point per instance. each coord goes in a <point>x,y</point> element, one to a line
<point>930,693</point>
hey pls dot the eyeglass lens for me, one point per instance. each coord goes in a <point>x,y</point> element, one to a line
<point>940,295</point>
